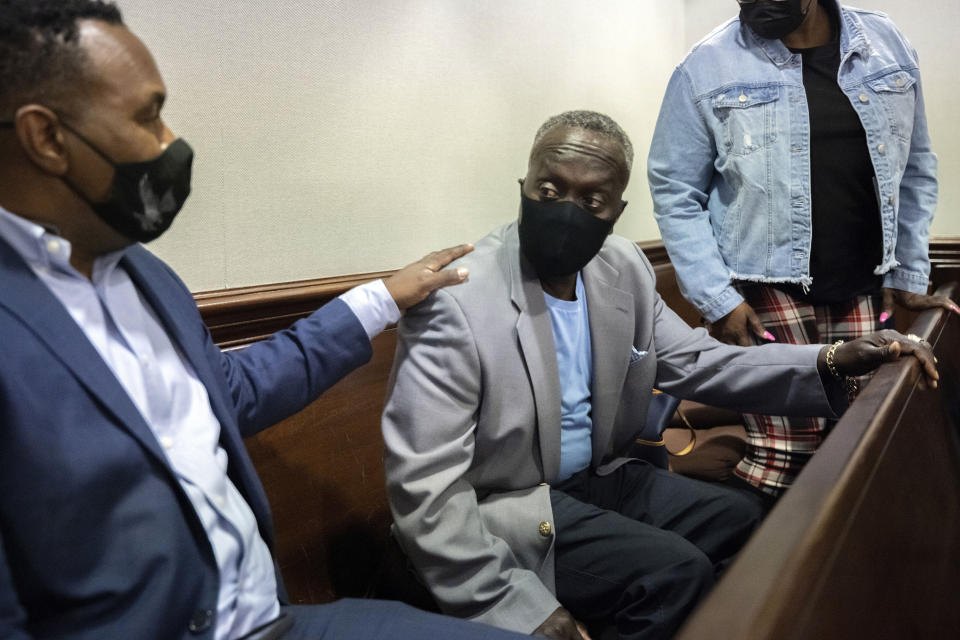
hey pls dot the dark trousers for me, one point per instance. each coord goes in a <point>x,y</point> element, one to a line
<point>350,619</point>
<point>640,547</point>
<point>765,501</point>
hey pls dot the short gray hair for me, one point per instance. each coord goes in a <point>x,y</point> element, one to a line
<point>591,121</point>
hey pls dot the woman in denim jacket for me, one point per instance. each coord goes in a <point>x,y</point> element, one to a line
<point>794,186</point>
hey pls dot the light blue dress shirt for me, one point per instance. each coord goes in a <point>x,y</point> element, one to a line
<point>160,381</point>
<point>571,335</point>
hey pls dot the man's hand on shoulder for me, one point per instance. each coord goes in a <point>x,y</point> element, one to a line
<point>736,327</point>
<point>416,281</point>
<point>561,626</point>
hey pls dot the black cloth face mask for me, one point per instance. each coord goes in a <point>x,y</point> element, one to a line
<point>559,238</point>
<point>145,197</point>
<point>773,19</point>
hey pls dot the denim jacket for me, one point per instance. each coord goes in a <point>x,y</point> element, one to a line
<point>729,166</point>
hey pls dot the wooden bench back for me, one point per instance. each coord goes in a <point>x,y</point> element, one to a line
<point>323,473</point>
<point>866,544</point>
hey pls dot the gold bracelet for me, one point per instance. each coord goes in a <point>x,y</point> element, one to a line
<point>831,363</point>
<point>849,383</point>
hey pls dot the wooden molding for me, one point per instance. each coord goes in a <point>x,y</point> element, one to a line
<point>944,261</point>
<point>237,317</point>
<point>240,316</point>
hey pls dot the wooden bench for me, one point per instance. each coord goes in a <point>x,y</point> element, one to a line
<point>322,468</point>
<point>866,544</point>
<point>323,473</point>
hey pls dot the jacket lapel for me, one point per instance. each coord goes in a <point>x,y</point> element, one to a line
<point>611,336</point>
<point>535,335</point>
<point>28,298</point>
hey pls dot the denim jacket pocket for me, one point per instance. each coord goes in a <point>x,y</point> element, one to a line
<point>747,117</point>
<point>898,97</point>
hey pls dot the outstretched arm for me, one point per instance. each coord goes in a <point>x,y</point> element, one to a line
<point>277,377</point>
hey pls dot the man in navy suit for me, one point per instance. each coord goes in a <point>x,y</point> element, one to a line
<point>128,505</point>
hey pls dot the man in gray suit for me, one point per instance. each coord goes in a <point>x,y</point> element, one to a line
<point>514,396</point>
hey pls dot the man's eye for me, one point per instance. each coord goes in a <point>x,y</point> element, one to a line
<point>593,204</point>
<point>548,193</point>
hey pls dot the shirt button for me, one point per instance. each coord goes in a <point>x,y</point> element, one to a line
<point>53,246</point>
<point>167,442</point>
<point>882,148</point>
<point>742,98</point>
<point>864,98</point>
<point>200,621</point>
<point>545,529</point>
<point>900,82</point>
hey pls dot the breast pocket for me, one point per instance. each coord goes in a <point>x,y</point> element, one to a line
<point>897,94</point>
<point>747,118</point>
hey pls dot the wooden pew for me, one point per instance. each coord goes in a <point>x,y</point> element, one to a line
<point>322,468</point>
<point>866,544</point>
<point>323,473</point>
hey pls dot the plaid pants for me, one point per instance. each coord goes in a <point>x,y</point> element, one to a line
<point>779,446</point>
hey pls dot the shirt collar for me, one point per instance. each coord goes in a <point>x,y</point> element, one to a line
<point>853,37</point>
<point>44,250</point>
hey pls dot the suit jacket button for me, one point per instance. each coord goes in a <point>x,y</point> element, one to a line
<point>201,621</point>
<point>545,529</point>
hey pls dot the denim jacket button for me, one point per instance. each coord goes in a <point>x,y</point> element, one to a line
<point>864,97</point>
<point>742,98</point>
<point>882,148</point>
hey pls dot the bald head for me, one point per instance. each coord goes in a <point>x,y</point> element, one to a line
<point>589,121</point>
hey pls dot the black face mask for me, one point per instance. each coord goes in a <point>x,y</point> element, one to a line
<point>145,197</point>
<point>559,238</point>
<point>772,20</point>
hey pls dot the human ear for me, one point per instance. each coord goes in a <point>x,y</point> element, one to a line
<point>41,138</point>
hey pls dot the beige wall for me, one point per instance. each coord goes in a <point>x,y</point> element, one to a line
<point>336,137</point>
<point>931,27</point>
<point>340,136</point>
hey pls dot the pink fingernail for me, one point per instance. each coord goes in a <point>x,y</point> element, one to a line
<point>955,309</point>
<point>884,316</point>
<point>769,336</point>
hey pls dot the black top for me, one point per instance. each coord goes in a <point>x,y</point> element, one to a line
<point>847,241</point>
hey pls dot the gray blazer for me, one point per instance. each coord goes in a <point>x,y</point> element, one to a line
<point>472,423</point>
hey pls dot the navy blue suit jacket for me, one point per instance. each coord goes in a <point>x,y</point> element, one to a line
<point>97,538</point>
